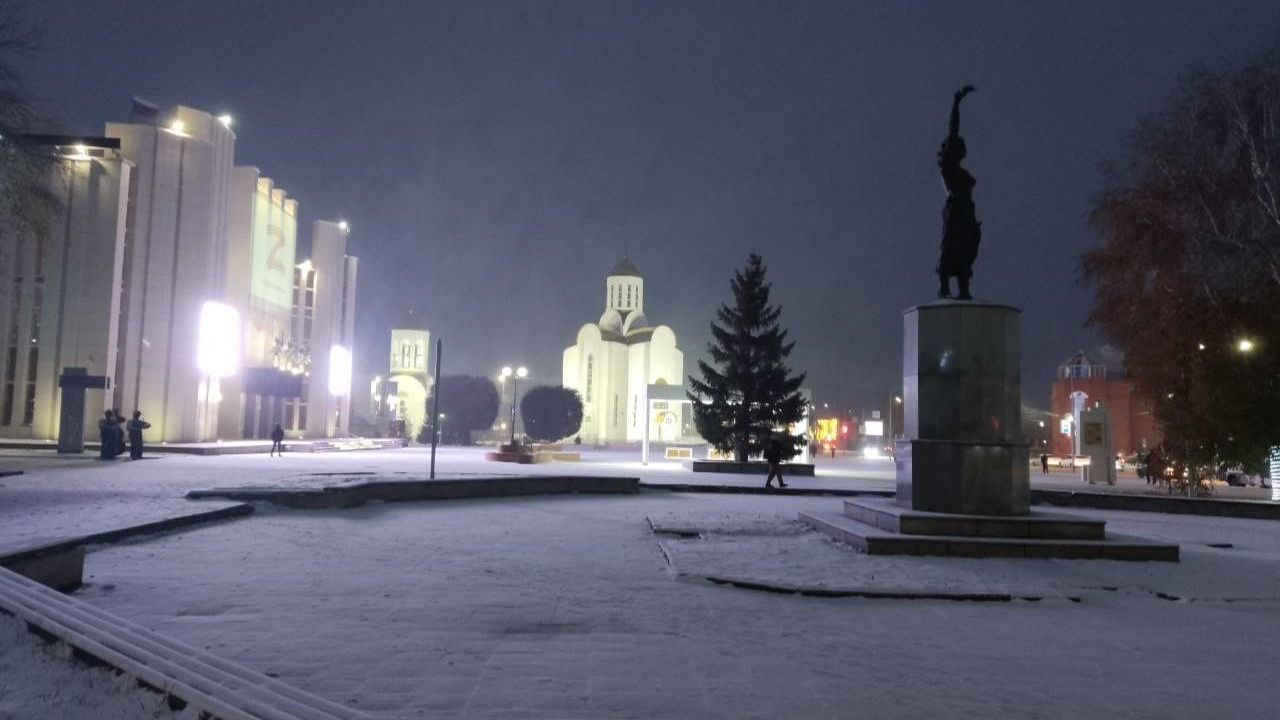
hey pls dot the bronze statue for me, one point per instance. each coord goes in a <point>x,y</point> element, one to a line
<point>961,231</point>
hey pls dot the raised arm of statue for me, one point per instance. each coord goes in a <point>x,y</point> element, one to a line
<point>954,128</point>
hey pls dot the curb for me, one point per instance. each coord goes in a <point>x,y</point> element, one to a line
<point>349,496</point>
<point>1245,509</point>
<point>760,490</point>
<point>60,565</point>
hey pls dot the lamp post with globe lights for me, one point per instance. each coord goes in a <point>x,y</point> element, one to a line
<point>520,372</point>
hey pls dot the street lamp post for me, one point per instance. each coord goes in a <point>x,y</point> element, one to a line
<point>515,382</point>
<point>895,400</point>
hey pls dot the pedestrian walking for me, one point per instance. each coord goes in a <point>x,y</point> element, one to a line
<point>773,456</point>
<point>1044,463</point>
<point>135,427</point>
<point>277,440</point>
<point>107,436</point>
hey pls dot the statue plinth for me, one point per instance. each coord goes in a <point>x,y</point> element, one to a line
<point>963,450</point>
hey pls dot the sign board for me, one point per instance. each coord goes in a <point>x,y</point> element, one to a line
<point>1064,426</point>
<point>873,428</point>
<point>1092,433</point>
<point>273,245</point>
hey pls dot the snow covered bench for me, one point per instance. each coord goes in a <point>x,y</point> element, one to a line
<point>190,678</point>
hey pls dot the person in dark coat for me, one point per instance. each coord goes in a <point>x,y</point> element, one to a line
<point>277,440</point>
<point>107,436</point>
<point>135,428</point>
<point>773,456</point>
<point>1044,463</point>
<point>120,445</point>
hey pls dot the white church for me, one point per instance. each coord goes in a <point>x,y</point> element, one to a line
<point>616,359</point>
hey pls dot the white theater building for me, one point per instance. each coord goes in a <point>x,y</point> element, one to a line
<point>172,279</point>
<point>615,360</point>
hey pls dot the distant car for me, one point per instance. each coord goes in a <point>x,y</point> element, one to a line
<point>1067,461</point>
<point>1237,477</point>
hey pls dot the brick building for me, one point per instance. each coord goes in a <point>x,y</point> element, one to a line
<point>1133,425</point>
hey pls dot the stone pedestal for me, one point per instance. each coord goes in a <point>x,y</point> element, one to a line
<point>962,398</point>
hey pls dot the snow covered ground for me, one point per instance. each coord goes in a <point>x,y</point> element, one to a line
<point>39,680</point>
<point>60,497</point>
<point>566,607</point>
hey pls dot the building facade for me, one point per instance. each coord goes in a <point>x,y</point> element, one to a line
<point>172,274</point>
<point>614,360</point>
<point>60,296</point>
<point>324,322</point>
<point>1133,427</point>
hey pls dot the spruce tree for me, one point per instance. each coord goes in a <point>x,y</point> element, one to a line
<point>749,397</point>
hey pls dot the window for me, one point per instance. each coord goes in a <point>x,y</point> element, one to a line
<point>29,408</point>
<point>37,305</point>
<point>11,337</point>
<point>302,405</point>
<point>591,362</point>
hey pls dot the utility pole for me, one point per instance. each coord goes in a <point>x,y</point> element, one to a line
<point>435,407</point>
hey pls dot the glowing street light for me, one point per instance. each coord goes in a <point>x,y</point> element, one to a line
<point>344,226</point>
<point>1245,345</point>
<point>218,344</point>
<point>519,373</point>
<point>226,120</point>
<point>339,370</point>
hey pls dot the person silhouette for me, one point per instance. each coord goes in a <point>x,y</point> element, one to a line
<point>773,456</point>
<point>961,231</point>
<point>277,440</point>
<point>135,427</point>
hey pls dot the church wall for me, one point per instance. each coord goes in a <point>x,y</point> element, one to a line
<point>637,381</point>
<point>666,362</point>
<point>615,392</point>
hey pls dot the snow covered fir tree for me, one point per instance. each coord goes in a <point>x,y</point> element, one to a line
<point>749,398</point>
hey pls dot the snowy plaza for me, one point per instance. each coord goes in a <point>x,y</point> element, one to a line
<point>572,606</point>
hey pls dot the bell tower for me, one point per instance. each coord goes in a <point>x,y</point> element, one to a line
<point>624,289</point>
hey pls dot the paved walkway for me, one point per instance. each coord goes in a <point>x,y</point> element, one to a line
<point>60,497</point>
<point>564,608</point>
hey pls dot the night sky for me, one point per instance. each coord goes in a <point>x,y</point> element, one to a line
<point>495,159</point>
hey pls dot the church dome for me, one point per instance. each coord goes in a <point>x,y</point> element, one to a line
<point>624,267</point>
<point>635,321</point>
<point>410,321</point>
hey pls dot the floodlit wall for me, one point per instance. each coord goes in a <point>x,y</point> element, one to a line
<point>261,249</point>
<point>60,295</point>
<point>175,260</point>
<point>332,323</point>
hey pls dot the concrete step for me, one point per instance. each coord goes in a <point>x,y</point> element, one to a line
<point>876,541</point>
<point>208,686</point>
<point>886,514</point>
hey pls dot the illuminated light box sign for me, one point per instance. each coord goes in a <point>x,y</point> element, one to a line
<point>873,428</point>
